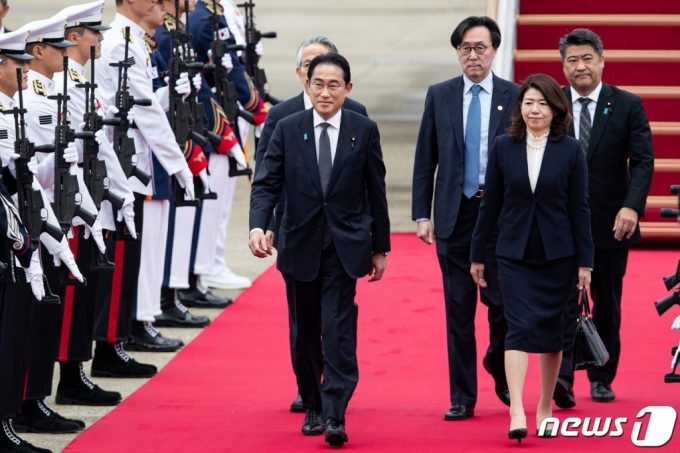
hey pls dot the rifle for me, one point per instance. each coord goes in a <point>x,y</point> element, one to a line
<point>253,36</point>
<point>30,201</point>
<point>65,205</point>
<point>94,170</point>
<point>224,89</point>
<point>122,144</point>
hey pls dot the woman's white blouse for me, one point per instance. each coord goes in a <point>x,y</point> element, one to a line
<point>535,150</point>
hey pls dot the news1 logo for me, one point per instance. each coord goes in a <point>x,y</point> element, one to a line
<point>659,427</point>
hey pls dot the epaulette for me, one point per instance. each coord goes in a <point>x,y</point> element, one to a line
<point>75,76</point>
<point>170,23</point>
<point>2,106</point>
<point>209,7</point>
<point>128,36</point>
<point>39,88</point>
<point>150,43</point>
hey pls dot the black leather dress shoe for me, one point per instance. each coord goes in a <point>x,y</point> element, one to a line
<point>601,392</point>
<point>564,394</point>
<point>10,442</point>
<point>175,314</point>
<point>501,388</point>
<point>459,412</point>
<point>312,426</point>
<point>80,423</point>
<point>86,396</point>
<point>200,296</point>
<point>37,418</point>
<point>297,406</point>
<point>336,436</point>
<point>146,338</point>
<point>113,361</point>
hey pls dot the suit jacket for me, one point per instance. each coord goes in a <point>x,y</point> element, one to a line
<point>441,148</point>
<point>559,203</point>
<point>355,205</point>
<point>276,113</point>
<point>620,162</point>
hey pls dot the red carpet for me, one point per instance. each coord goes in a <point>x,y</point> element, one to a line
<point>229,390</point>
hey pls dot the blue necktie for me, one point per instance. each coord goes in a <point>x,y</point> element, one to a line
<point>473,132</point>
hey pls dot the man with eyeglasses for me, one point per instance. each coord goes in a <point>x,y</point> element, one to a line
<point>462,117</point>
<point>307,51</point>
<point>335,230</point>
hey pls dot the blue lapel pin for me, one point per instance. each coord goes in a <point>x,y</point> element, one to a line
<point>305,136</point>
<point>606,110</point>
<point>353,139</point>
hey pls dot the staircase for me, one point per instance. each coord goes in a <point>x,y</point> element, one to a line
<point>642,55</point>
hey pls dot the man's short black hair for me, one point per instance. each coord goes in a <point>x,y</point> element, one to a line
<point>579,37</point>
<point>476,21</point>
<point>331,58</point>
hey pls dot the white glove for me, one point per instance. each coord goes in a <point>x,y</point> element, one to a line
<point>127,213</point>
<point>71,153</point>
<point>33,165</point>
<point>237,153</point>
<point>96,231</point>
<point>259,49</point>
<point>111,112</point>
<point>258,130</point>
<point>676,324</point>
<point>197,82</point>
<point>131,116</point>
<point>183,86</point>
<point>66,256</point>
<point>98,136</point>
<point>34,273</point>
<point>186,180</point>
<point>204,179</point>
<point>226,61</point>
<point>11,165</point>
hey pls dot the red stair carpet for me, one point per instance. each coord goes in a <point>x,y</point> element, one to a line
<point>229,390</point>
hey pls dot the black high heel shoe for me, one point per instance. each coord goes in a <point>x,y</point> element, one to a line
<point>548,431</point>
<point>519,434</point>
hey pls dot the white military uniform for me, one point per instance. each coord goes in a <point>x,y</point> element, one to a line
<point>76,105</point>
<point>153,133</point>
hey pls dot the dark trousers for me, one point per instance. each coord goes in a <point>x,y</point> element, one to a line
<point>605,291</point>
<point>324,307</point>
<point>14,347</point>
<point>117,291</point>
<point>460,297</point>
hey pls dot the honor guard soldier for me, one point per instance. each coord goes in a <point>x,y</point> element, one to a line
<point>46,43</point>
<point>15,292</point>
<point>83,29</point>
<point>151,132</point>
<point>221,276</point>
<point>187,260</point>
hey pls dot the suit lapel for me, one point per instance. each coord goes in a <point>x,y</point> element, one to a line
<point>308,148</point>
<point>455,100</point>
<point>523,164</point>
<point>299,103</point>
<point>499,100</point>
<point>343,150</point>
<point>567,93</point>
<point>545,170</point>
<point>605,101</point>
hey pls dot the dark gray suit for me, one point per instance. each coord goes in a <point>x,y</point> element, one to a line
<point>441,149</point>
<point>322,280</point>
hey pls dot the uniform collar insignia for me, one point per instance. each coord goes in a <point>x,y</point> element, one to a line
<point>128,36</point>
<point>170,23</point>
<point>39,88</point>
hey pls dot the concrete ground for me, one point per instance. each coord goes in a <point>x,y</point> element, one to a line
<point>396,48</point>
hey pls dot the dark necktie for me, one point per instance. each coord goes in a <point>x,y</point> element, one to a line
<point>585,123</point>
<point>473,132</point>
<point>325,169</point>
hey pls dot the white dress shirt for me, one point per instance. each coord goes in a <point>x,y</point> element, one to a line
<point>333,132</point>
<point>576,106</point>
<point>485,104</point>
<point>535,151</point>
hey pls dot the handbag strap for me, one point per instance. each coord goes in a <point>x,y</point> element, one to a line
<point>585,305</point>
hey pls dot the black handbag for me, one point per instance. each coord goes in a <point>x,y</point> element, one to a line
<point>589,351</point>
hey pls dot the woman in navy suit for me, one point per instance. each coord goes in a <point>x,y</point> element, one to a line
<point>536,190</point>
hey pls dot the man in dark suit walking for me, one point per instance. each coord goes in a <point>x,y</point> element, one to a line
<point>612,127</point>
<point>335,230</point>
<point>461,119</point>
<point>307,51</point>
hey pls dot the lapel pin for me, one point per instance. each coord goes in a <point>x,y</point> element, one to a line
<point>500,107</point>
<point>305,136</point>
<point>353,139</point>
<point>608,108</point>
